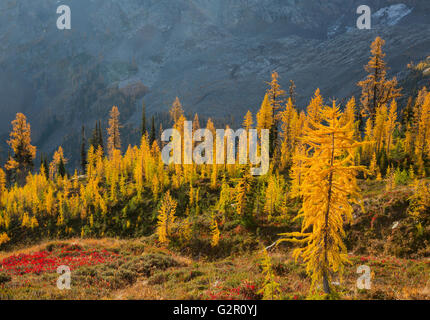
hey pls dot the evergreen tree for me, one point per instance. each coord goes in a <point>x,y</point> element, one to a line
<point>408,113</point>
<point>276,100</point>
<point>62,168</point>
<point>44,165</point>
<point>83,151</point>
<point>143,125</point>
<point>152,136</point>
<point>100,136</point>
<point>94,140</point>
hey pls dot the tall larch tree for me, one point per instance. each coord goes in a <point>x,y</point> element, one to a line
<point>314,107</point>
<point>248,122</point>
<point>176,111</point>
<point>329,187</point>
<point>114,140</point>
<point>265,115</point>
<point>288,118</point>
<point>21,162</point>
<point>391,125</point>
<point>422,144</point>
<point>380,126</point>
<point>55,164</point>
<point>243,197</point>
<point>276,100</point>
<point>196,122</point>
<point>376,89</point>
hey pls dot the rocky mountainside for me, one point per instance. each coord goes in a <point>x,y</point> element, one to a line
<point>214,55</point>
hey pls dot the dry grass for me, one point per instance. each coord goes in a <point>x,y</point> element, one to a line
<point>392,278</point>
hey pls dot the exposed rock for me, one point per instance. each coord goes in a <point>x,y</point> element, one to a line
<point>214,55</point>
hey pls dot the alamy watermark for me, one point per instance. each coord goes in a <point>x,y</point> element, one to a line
<point>364,281</point>
<point>64,280</point>
<point>185,152</point>
<point>64,21</point>
<point>364,22</point>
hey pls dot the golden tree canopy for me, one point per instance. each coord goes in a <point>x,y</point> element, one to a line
<point>20,142</point>
<point>114,140</point>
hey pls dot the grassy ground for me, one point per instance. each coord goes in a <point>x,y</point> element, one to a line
<point>137,269</point>
<point>382,236</point>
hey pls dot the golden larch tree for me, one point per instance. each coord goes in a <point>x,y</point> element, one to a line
<point>314,107</point>
<point>24,153</point>
<point>422,142</point>
<point>176,111</point>
<point>376,89</point>
<point>328,188</point>
<point>248,122</point>
<point>391,125</point>
<point>265,115</point>
<point>166,218</point>
<point>56,161</point>
<point>114,140</point>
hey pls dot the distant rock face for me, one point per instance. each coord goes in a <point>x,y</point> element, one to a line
<point>214,55</point>
<point>392,15</point>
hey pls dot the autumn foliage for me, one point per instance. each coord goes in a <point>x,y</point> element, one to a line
<point>318,153</point>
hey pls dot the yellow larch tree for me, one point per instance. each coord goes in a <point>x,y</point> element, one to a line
<point>376,89</point>
<point>328,189</point>
<point>176,111</point>
<point>55,163</point>
<point>4,238</point>
<point>265,114</point>
<point>373,168</point>
<point>224,197</point>
<point>420,199</point>
<point>289,118</point>
<point>390,126</point>
<point>422,142</point>
<point>242,192</point>
<point>368,148</point>
<point>379,130</point>
<point>248,122</point>
<point>276,100</point>
<point>215,233</point>
<point>296,171</point>
<point>196,126</point>
<point>114,140</point>
<point>275,93</point>
<point>314,107</point>
<point>24,153</point>
<point>271,289</point>
<point>166,218</point>
<point>2,182</point>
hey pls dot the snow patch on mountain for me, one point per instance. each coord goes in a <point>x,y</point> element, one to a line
<point>392,15</point>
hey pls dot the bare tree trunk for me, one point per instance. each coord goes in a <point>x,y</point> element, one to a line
<point>326,285</point>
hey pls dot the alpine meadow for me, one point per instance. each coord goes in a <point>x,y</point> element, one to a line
<point>324,201</point>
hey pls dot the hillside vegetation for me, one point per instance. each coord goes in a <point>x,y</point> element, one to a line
<point>347,186</point>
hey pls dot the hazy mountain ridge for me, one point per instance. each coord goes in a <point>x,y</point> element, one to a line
<point>214,55</point>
